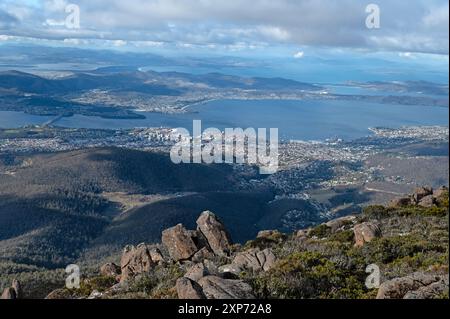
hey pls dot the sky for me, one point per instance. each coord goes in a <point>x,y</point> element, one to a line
<point>406,27</point>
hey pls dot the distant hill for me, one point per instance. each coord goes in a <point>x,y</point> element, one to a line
<point>56,207</point>
<point>123,79</point>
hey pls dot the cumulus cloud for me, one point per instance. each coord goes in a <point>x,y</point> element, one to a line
<point>407,26</point>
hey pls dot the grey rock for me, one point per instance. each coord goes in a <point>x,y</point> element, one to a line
<point>441,191</point>
<point>110,270</point>
<point>202,255</point>
<point>401,201</point>
<point>135,261</point>
<point>179,243</point>
<point>215,233</point>
<point>415,284</point>
<point>197,271</point>
<point>156,256</point>
<point>365,233</point>
<point>336,224</point>
<point>189,289</point>
<point>253,259</point>
<point>421,192</point>
<point>218,288</point>
<point>427,202</point>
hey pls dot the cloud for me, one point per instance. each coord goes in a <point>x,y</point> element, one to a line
<point>299,55</point>
<point>406,26</point>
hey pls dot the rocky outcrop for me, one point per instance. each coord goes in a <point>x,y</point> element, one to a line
<point>197,271</point>
<point>189,289</point>
<point>419,285</point>
<point>110,270</point>
<point>218,288</point>
<point>401,201</point>
<point>13,292</point>
<point>420,193</point>
<point>179,242</point>
<point>427,201</point>
<point>253,259</point>
<point>337,224</point>
<point>423,196</point>
<point>9,293</point>
<point>441,191</point>
<point>156,256</point>
<point>135,260</point>
<point>17,288</point>
<point>214,232</point>
<point>365,233</point>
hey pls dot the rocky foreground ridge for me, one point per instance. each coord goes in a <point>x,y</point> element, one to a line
<point>407,241</point>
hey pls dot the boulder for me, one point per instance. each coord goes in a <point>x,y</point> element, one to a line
<point>156,256</point>
<point>189,289</point>
<point>9,293</point>
<point>214,232</point>
<point>401,202</point>
<point>421,192</point>
<point>365,233</point>
<point>179,243</point>
<point>218,288</point>
<point>135,261</point>
<point>337,224</point>
<point>432,291</point>
<point>253,259</point>
<point>441,191</point>
<point>413,285</point>
<point>110,270</point>
<point>17,288</point>
<point>197,271</point>
<point>202,255</point>
<point>428,201</point>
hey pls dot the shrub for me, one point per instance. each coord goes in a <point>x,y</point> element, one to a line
<point>321,231</point>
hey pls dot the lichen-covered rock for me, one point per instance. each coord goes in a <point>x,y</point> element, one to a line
<point>365,233</point>
<point>110,270</point>
<point>189,289</point>
<point>421,192</point>
<point>215,233</point>
<point>441,191</point>
<point>254,259</point>
<point>197,271</point>
<point>218,288</point>
<point>432,291</point>
<point>203,254</point>
<point>427,201</point>
<point>156,256</point>
<point>179,242</point>
<point>419,284</point>
<point>135,261</point>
